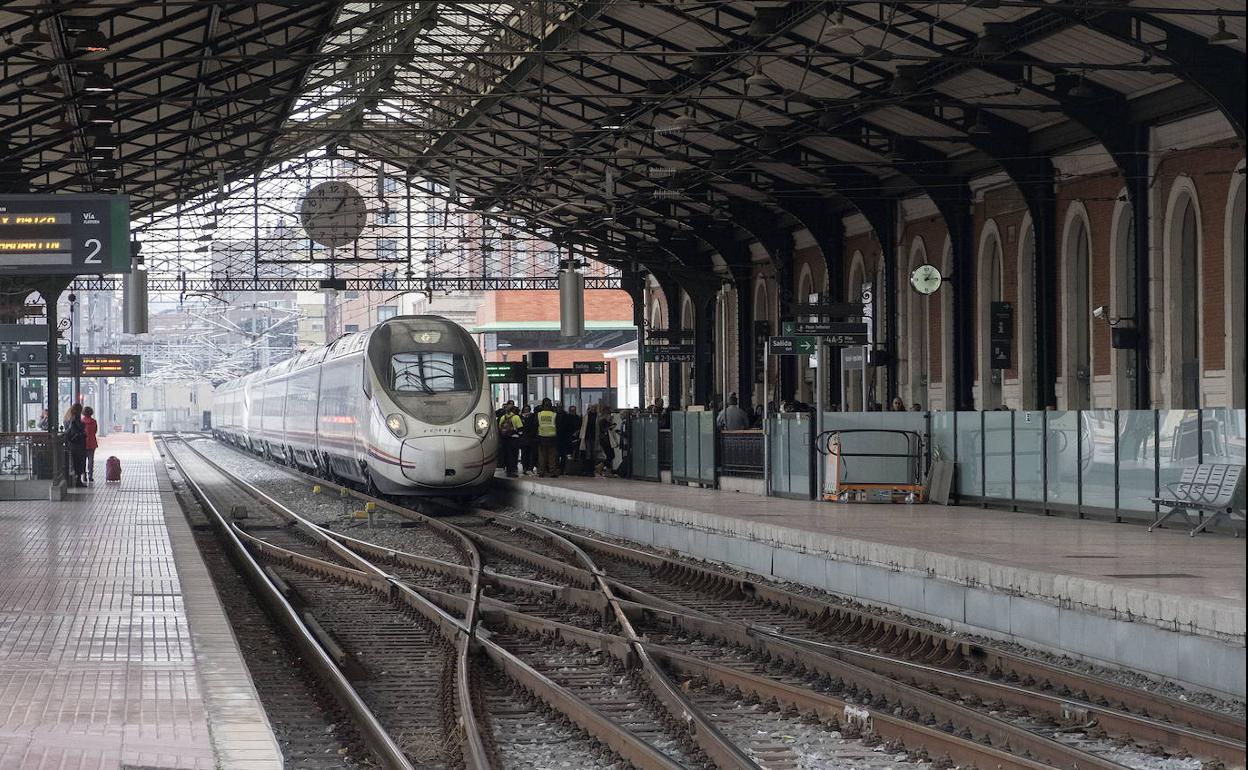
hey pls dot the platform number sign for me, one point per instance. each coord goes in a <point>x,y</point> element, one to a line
<point>64,234</point>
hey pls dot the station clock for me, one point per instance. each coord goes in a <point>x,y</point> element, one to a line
<point>334,214</point>
<point>926,279</point>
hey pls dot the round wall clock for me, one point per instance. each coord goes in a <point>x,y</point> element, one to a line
<point>925,279</point>
<point>333,214</point>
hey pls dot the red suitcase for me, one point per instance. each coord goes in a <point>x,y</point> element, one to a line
<point>112,469</point>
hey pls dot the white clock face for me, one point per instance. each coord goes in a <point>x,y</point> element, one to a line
<point>925,279</point>
<point>334,214</point>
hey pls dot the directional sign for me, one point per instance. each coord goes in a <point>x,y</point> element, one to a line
<point>12,353</point>
<point>667,354</point>
<point>64,234</point>
<point>32,392</point>
<point>839,310</point>
<point>499,372</point>
<point>792,346</point>
<point>1002,315</point>
<point>589,367</point>
<point>830,327</point>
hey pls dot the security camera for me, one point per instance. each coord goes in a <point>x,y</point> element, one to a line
<point>1098,312</point>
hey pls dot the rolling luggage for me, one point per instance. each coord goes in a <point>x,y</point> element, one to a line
<point>112,469</point>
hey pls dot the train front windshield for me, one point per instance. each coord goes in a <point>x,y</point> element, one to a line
<point>430,368</point>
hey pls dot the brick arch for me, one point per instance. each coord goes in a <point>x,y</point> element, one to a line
<point>1183,245</point>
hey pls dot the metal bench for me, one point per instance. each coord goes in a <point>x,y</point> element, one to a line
<point>1211,487</point>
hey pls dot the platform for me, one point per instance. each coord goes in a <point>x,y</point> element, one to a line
<point>114,649</point>
<point>1162,603</point>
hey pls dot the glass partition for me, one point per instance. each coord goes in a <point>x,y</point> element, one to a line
<point>1029,456</point>
<point>1179,437</point>
<point>1137,462</point>
<point>999,455</point>
<point>1062,457</point>
<point>1097,435</point>
<point>943,438</point>
<point>970,454</point>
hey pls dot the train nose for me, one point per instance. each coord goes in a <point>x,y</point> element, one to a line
<point>442,461</point>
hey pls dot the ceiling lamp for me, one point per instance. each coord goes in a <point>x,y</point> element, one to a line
<point>102,139</point>
<point>875,53</point>
<point>758,79</point>
<point>838,28</point>
<point>100,115</point>
<point>1082,90</point>
<point>33,38</point>
<point>97,83</point>
<point>906,81</point>
<point>91,40</point>
<point>1223,36</point>
<point>768,142</point>
<point>992,42</point>
<point>766,22</point>
<point>684,120</point>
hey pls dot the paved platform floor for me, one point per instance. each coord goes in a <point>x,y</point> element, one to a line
<point>1112,592</point>
<point>114,649</point>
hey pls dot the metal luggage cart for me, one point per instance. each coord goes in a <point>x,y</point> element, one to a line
<point>899,478</point>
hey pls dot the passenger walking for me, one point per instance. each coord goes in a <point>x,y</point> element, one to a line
<point>510,429</point>
<point>547,439</point>
<point>76,443</point>
<point>92,428</point>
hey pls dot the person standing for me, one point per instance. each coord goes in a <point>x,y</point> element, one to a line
<point>510,428</point>
<point>604,429</point>
<point>92,429</point>
<point>566,429</point>
<point>547,420</point>
<point>733,417</point>
<point>76,443</point>
<point>528,441</point>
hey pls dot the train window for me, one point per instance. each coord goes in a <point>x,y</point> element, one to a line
<point>429,373</point>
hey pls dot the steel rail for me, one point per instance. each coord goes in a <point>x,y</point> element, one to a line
<point>452,630</point>
<point>372,732</point>
<point>877,631</point>
<point>585,716</point>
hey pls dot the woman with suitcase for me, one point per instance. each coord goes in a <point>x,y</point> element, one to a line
<point>93,428</point>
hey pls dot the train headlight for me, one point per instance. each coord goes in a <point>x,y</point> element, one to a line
<point>397,425</point>
<point>482,423</point>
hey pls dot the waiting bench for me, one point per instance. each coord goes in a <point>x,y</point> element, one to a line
<point>1209,487</point>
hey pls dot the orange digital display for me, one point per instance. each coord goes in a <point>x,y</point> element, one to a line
<point>34,218</point>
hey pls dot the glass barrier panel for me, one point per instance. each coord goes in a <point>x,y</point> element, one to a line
<point>911,421</point>
<point>998,455</point>
<point>1178,443</point>
<point>777,439</point>
<point>943,436</point>
<point>1223,432</point>
<point>1029,456</point>
<point>1062,457</point>
<point>706,450</point>
<point>678,445</point>
<point>1137,453</point>
<point>1097,435</point>
<point>970,454</point>
<point>799,449</point>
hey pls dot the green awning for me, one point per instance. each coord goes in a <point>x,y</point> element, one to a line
<point>542,326</point>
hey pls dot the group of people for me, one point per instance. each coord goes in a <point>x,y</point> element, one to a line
<point>80,432</point>
<point>550,441</point>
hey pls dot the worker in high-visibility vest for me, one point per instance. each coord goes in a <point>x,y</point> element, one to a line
<point>547,439</point>
<point>510,427</point>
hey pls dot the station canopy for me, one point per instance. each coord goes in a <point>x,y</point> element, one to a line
<point>652,133</point>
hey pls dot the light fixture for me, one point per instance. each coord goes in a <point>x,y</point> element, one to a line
<point>1223,36</point>
<point>33,38</point>
<point>758,78</point>
<point>1082,90</point>
<point>980,127</point>
<point>102,139</point>
<point>97,83</point>
<point>838,28</point>
<point>906,81</point>
<point>992,42</point>
<point>91,40</point>
<point>766,22</point>
<point>100,115</point>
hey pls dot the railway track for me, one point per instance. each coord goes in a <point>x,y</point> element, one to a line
<point>699,668</point>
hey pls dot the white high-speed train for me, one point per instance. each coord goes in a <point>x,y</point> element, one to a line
<point>402,408</point>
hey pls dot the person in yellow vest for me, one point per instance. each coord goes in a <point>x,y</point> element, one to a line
<point>547,439</point>
<point>510,427</point>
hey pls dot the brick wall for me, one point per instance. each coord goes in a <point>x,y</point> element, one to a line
<point>600,305</point>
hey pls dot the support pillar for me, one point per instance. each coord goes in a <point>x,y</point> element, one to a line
<point>745,340</point>
<point>703,345</point>
<point>635,285</point>
<point>1043,207</point>
<point>1139,179</point>
<point>958,219</point>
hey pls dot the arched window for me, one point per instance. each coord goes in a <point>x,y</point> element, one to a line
<point>1237,379</point>
<point>991,289</point>
<point>1124,365</point>
<point>1183,248</point>
<point>1076,311</point>
<point>1025,316</point>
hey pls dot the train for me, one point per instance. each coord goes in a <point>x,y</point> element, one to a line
<point>402,409</point>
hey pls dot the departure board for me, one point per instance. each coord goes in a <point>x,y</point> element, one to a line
<point>64,234</point>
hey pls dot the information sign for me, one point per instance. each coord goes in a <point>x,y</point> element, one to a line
<point>664,354</point>
<point>792,346</point>
<point>14,333</point>
<point>1002,315</point>
<point>32,392</point>
<point>1002,353</point>
<point>64,234</point>
<point>830,327</point>
<point>853,358</point>
<point>589,367</point>
<point>503,372</point>
<point>89,365</point>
